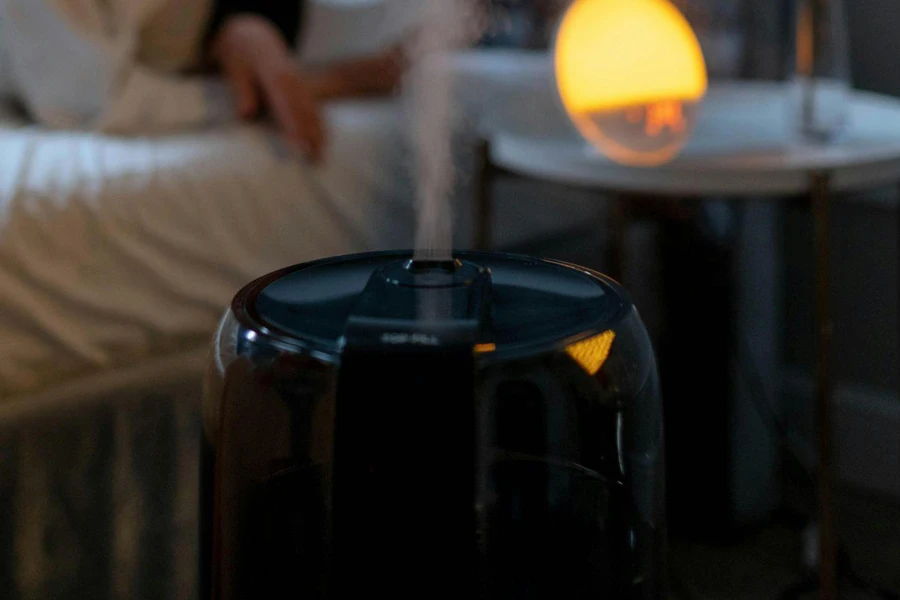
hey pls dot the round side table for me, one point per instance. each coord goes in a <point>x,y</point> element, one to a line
<point>741,148</point>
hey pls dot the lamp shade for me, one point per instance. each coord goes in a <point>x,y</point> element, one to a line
<point>631,75</point>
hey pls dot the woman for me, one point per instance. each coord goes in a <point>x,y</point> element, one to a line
<point>127,66</point>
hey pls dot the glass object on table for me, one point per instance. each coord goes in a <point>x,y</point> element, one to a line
<point>820,84</point>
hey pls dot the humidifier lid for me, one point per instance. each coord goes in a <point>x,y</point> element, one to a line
<point>504,303</point>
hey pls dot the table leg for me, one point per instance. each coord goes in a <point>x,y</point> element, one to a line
<point>484,205</point>
<point>821,201</point>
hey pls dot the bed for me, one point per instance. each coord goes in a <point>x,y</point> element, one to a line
<point>117,258</point>
<point>118,250</point>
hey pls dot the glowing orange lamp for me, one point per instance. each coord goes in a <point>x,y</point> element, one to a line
<point>631,75</point>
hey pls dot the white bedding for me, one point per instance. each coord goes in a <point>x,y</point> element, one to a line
<point>113,249</point>
<point>118,250</point>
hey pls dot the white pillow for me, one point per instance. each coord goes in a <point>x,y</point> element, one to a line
<point>336,30</point>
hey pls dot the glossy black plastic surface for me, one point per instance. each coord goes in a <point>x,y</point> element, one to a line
<point>518,456</point>
<point>533,302</point>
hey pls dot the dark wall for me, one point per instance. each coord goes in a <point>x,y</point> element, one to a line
<point>874,30</point>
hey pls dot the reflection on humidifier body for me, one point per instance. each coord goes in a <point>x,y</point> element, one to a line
<point>483,428</point>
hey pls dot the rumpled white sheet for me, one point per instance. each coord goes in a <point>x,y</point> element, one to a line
<point>114,249</point>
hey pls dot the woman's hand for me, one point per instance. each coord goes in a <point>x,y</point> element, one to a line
<point>258,64</point>
<point>378,75</point>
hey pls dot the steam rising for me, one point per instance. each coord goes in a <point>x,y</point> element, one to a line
<point>447,25</point>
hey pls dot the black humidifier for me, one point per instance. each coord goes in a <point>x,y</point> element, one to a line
<point>487,427</point>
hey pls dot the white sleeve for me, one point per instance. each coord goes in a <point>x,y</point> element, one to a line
<point>72,64</point>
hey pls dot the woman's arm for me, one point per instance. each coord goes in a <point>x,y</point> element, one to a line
<point>257,61</point>
<point>256,58</point>
<point>376,75</point>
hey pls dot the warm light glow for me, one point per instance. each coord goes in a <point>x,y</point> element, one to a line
<point>592,353</point>
<point>630,74</point>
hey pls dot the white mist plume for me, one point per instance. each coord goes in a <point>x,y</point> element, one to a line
<point>446,25</point>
